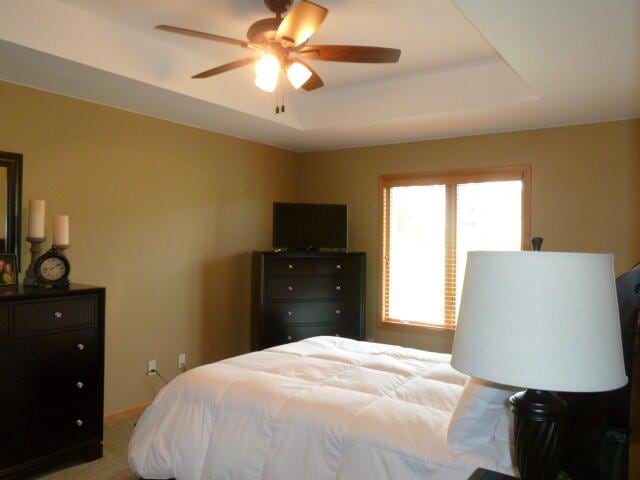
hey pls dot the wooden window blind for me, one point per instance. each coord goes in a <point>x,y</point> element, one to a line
<point>429,223</point>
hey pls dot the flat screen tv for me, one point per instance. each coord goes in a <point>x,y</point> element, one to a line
<point>298,226</point>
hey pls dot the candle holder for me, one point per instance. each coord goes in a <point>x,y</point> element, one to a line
<point>30,279</point>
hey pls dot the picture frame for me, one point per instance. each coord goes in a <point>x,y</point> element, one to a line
<point>8,270</point>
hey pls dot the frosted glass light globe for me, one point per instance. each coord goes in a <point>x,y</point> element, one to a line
<point>298,74</point>
<point>267,72</point>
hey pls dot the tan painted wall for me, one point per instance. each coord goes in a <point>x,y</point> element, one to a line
<point>163,215</point>
<point>585,192</point>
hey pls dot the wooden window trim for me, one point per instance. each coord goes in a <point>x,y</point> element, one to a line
<point>448,178</point>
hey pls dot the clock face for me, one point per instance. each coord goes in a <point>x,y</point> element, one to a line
<point>53,269</point>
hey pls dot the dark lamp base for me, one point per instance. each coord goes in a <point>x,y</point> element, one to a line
<point>539,417</point>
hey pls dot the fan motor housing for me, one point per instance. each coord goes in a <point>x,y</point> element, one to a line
<point>278,6</point>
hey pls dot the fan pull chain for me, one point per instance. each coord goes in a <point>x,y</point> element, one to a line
<point>279,106</point>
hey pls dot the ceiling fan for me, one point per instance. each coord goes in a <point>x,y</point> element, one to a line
<point>280,45</point>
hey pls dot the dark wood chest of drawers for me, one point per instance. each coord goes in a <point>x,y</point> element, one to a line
<point>301,295</point>
<point>51,377</point>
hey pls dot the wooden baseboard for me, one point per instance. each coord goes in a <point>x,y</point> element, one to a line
<point>136,411</point>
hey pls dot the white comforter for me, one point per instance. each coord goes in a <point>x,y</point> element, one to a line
<point>323,408</point>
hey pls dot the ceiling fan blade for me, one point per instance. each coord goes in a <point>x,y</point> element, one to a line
<point>206,36</point>
<point>350,53</point>
<point>300,23</point>
<point>225,68</point>
<point>314,81</point>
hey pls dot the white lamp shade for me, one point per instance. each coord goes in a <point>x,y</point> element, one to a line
<point>540,320</point>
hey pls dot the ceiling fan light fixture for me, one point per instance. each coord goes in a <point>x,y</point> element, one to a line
<point>298,74</point>
<point>280,44</point>
<point>267,73</point>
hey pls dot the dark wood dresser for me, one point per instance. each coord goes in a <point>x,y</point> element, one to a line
<point>301,295</point>
<point>51,377</point>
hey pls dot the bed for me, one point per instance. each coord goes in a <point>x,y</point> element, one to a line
<point>335,408</point>
<point>321,408</point>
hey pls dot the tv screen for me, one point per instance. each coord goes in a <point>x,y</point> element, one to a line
<point>309,225</point>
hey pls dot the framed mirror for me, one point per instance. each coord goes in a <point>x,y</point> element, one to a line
<point>11,203</point>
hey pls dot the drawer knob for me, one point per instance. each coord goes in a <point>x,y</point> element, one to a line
<point>79,422</point>
<point>58,314</point>
<point>290,288</point>
<point>338,287</point>
<point>80,346</point>
<point>339,267</point>
<point>290,313</point>
<point>338,312</point>
<point>290,266</point>
<point>289,337</point>
<point>80,385</point>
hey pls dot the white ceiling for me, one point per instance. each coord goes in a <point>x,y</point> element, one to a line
<point>467,66</point>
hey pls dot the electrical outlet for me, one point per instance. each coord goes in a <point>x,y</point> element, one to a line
<point>182,361</point>
<point>151,367</point>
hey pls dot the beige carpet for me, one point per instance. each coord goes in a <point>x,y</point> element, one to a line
<point>113,464</point>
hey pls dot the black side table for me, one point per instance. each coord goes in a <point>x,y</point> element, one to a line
<point>482,474</point>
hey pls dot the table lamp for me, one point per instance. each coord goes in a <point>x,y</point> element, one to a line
<point>546,322</point>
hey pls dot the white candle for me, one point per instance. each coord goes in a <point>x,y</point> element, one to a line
<point>61,230</point>
<point>36,218</point>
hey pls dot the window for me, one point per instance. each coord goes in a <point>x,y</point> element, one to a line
<point>430,222</point>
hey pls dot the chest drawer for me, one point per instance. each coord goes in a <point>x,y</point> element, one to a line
<point>308,288</point>
<point>4,321</point>
<point>289,333</point>
<point>296,313</point>
<point>33,318</point>
<point>47,432</point>
<point>46,353</point>
<point>338,265</point>
<point>21,398</point>
<point>289,266</point>
<point>292,333</point>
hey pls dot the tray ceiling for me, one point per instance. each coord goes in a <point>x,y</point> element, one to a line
<point>466,67</point>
